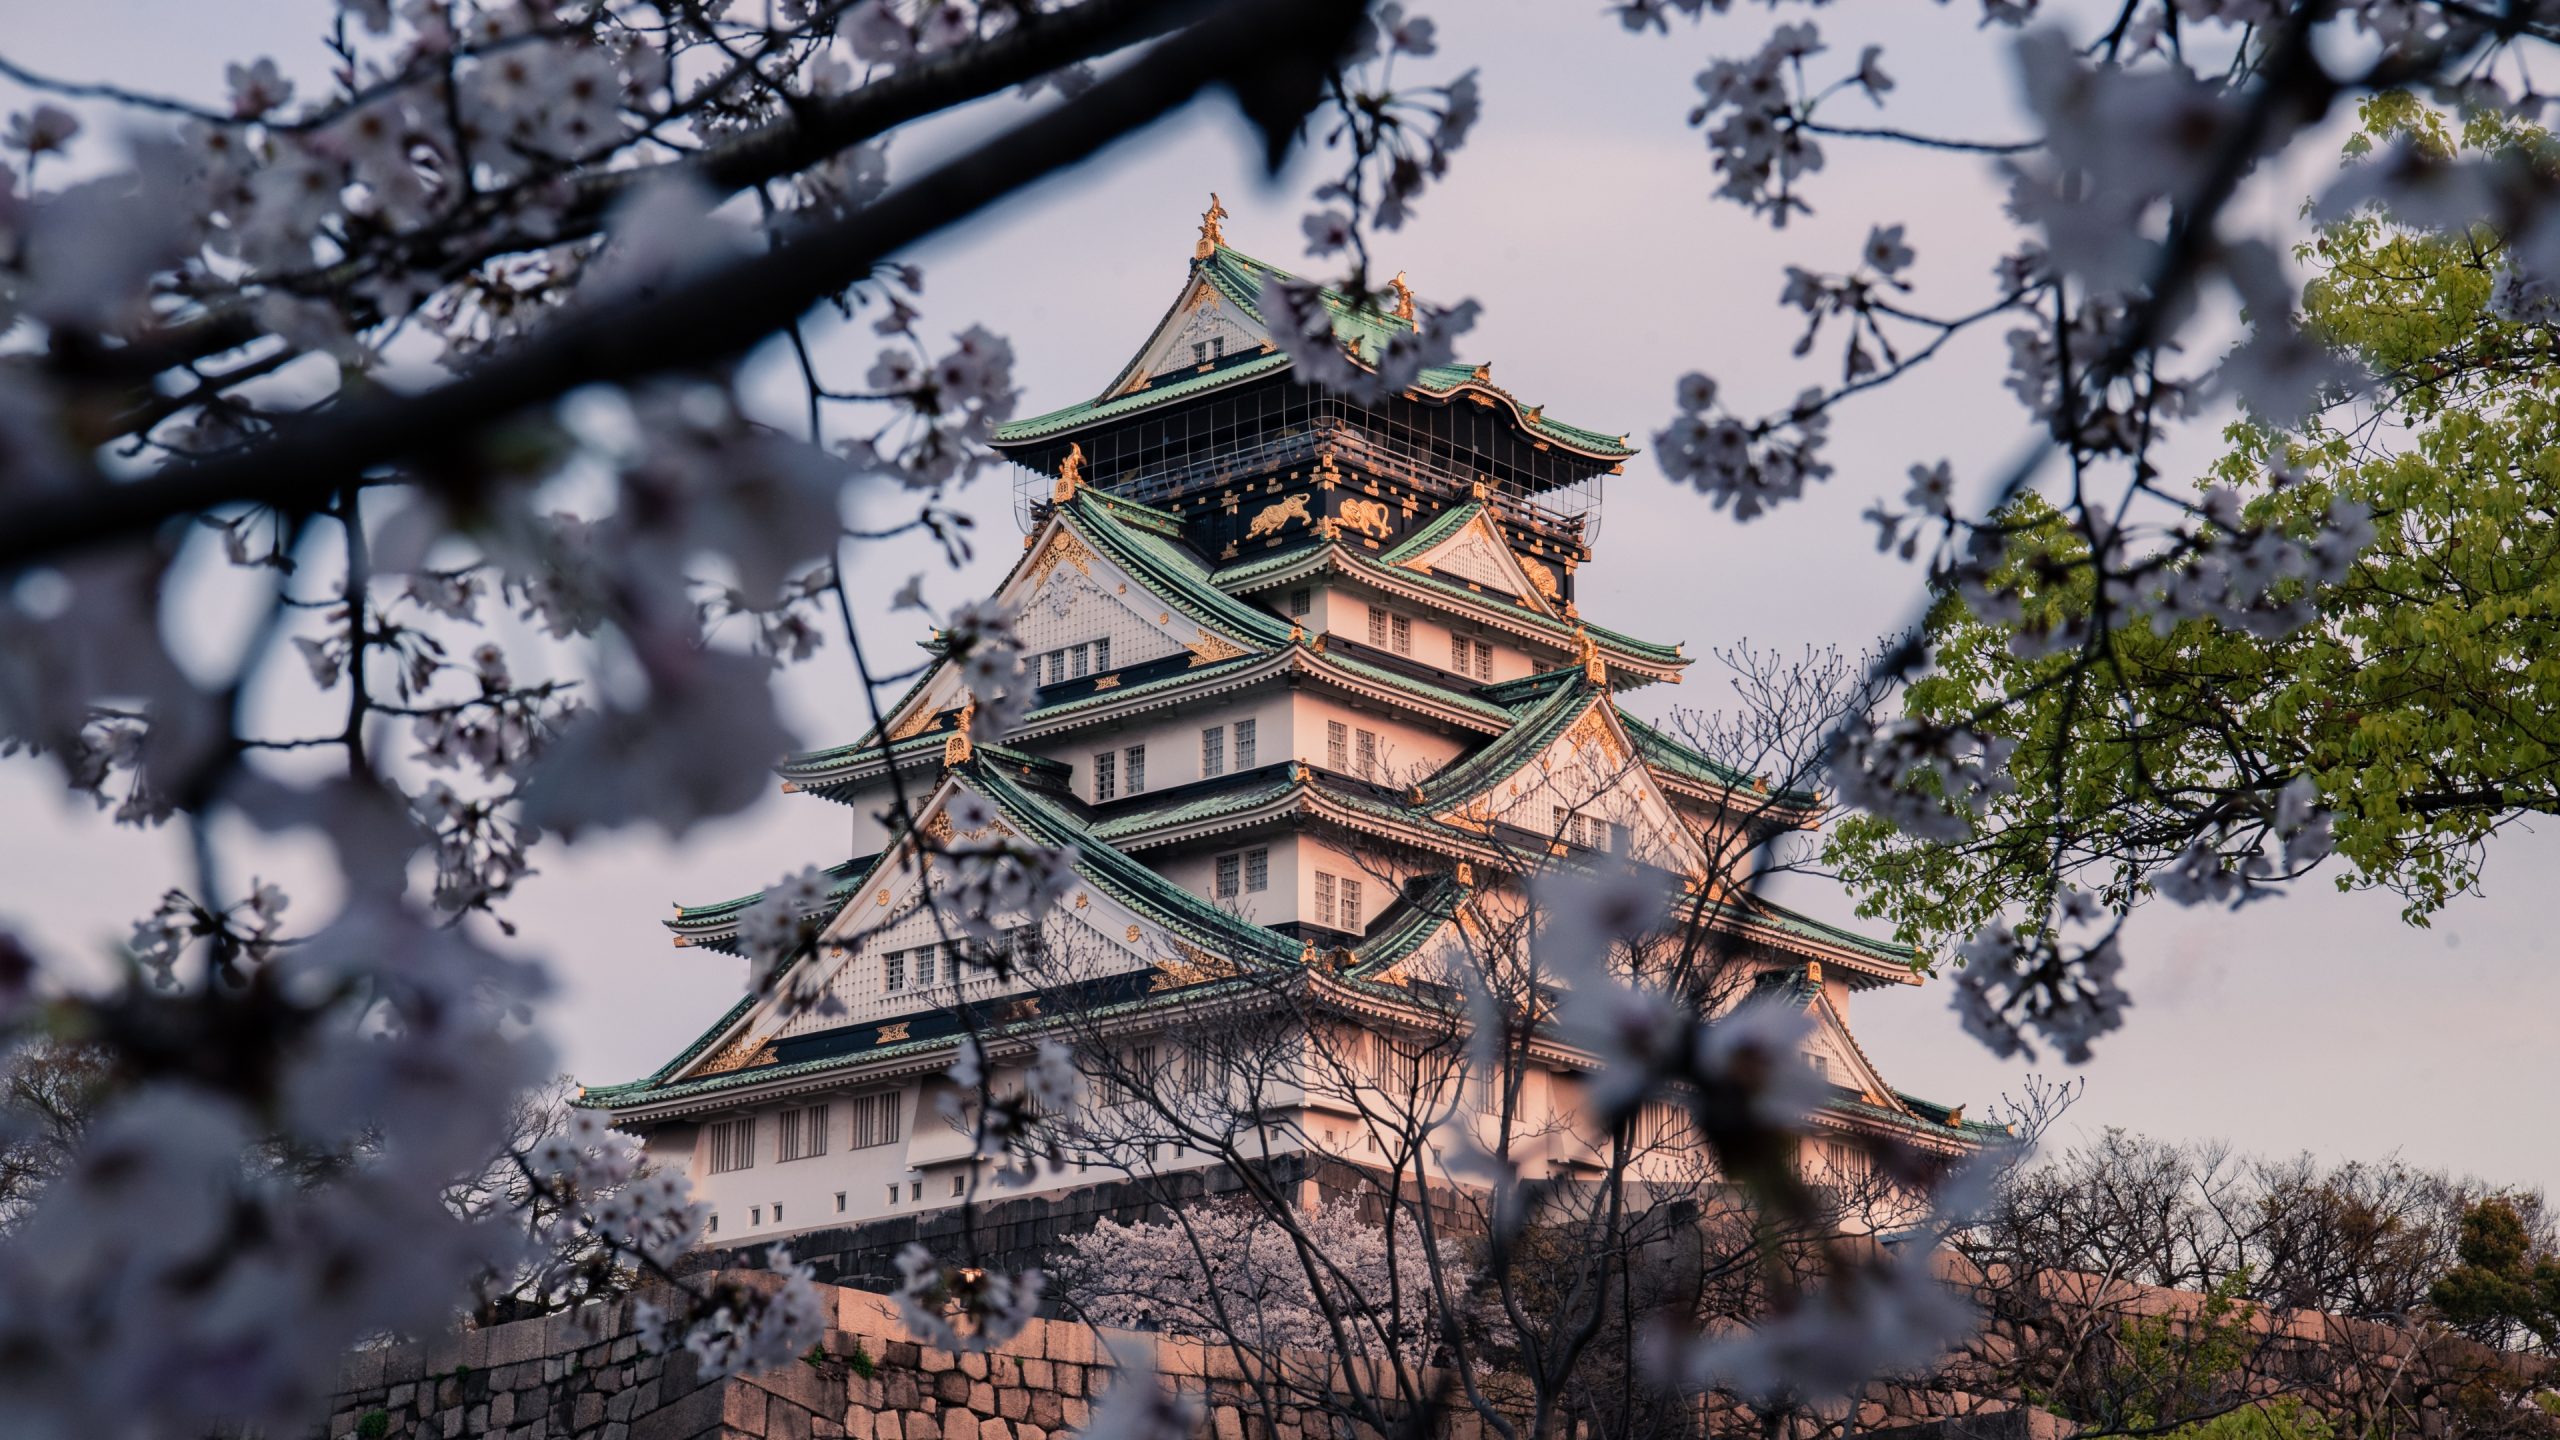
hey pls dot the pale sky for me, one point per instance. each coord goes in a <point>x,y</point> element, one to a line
<point>1579,216</point>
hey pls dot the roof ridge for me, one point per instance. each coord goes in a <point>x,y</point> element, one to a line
<point>1535,727</point>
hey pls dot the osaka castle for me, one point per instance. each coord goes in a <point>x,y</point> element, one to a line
<point>1311,701</point>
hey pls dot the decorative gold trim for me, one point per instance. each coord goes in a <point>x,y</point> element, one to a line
<point>1064,548</point>
<point>1210,649</point>
<point>1813,972</point>
<point>1595,731</point>
<point>1107,682</point>
<point>890,1034</point>
<point>1196,967</point>
<point>1404,299</point>
<point>738,1055</point>
<point>955,751</point>
<point>1466,874</point>
<point>1540,576</point>
<point>915,724</point>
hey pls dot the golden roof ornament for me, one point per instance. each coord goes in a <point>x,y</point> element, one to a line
<point>1210,237</point>
<point>1404,300</point>
<point>1587,650</point>
<point>1466,874</point>
<point>1484,373</point>
<point>955,751</point>
<point>1070,473</point>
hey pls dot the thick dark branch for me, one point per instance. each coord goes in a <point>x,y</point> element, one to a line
<point>714,315</point>
<point>803,136</point>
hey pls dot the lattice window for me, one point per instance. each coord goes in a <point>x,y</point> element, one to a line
<point>1337,745</point>
<point>1106,775</point>
<point>1324,898</point>
<point>1213,751</point>
<point>1244,744</point>
<point>733,1145</point>
<point>1134,769</point>
<point>1378,627</point>
<point>1368,754</point>
<point>1400,632</point>
<point>1230,876</point>
<point>1257,870</point>
<point>876,1121</point>
<point>801,1133</point>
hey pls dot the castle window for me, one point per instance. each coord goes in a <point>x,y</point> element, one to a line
<point>755,1216</point>
<point>1324,898</point>
<point>1378,627</point>
<point>712,1227</point>
<point>893,972</point>
<point>839,1202</point>
<point>1244,744</point>
<point>915,1189</point>
<point>875,1122</point>
<point>1230,876</point>
<point>777,1212</point>
<point>1461,649</point>
<point>959,1185</point>
<point>1400,631</point>
<point>1106,766</point>
<point>1484,660</point>
<point>1257,869</point>
<point>1135,771</point>
<point>733,1145</point>
<point>1213,751</point>
<point>1337,745</point>
<point>802,1134</point>
<point>1101,654</point>
<point>1301,602</point>
<point>1368,754</point>
<point>1350,904</point>
<point>893,1192</point>
<point>1079,657</point>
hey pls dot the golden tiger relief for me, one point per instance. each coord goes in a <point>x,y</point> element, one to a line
<point>1369,517</point>
<point>1274,517</point>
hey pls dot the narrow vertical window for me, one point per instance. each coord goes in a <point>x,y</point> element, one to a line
<point>1244,744</point>
<point>1402,630</point>
<point>1136,769</point>
<point>1460,652</point>
<point>1484,660</point>
<point>1257,870</point>
<point>1301,602</point>
<point>1213,751</point>
<point>1106,778</point>
<point>1230,875</point>
<point>1082,657</point>
<point>839,1202</point>
<point>1324,898</point>
<point>893,972</point>
<point>1101,654</point>
<point>1350,905</point>
<point>1377,627</point>
<point>1337,745</point>
<point>924,966</point>
<point>1368,754</point>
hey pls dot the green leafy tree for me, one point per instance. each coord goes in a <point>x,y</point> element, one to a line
<point>2420,704</point>
<point>2507,1284</point>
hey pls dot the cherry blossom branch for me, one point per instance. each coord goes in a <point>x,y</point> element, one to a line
<point>718,313</point>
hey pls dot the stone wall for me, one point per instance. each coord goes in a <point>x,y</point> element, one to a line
<point>582,1376</point>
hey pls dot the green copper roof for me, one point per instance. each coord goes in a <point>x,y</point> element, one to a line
<point>1443,525</point>
<point>1664,751</point>
<point>1164,562</point>
<point>1534,728</point>
<point>1238,279</point>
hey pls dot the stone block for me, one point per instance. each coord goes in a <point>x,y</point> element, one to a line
<point>1048,1409</point>
<point>982,1397</point>
<point>1013,1402</point>
<point>995,1430</point>
<point>934,1362</point>
<point>502,1409</point>
<point>586,1412</point>
<point>785,1421</point>
<point>680,1419</point>
<point>1226,1424</point>
<point>973,1365</point>
<point>921,1426</point>
<point>1071,1379</point>
<point>901,1355</point>
<point>959,1425</point>
<point>951,1388</point>
<point>363,1369</point>
<point>1038,1374</point>
<point>742,1407</point>
<point>1071,1343</point>
<point>858,1423</point>
<point>898,1390</point>
<point>1074,1412</point>
<point>400,1396</point>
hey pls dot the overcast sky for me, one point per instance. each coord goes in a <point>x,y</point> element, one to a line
<point>1579,216</point>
